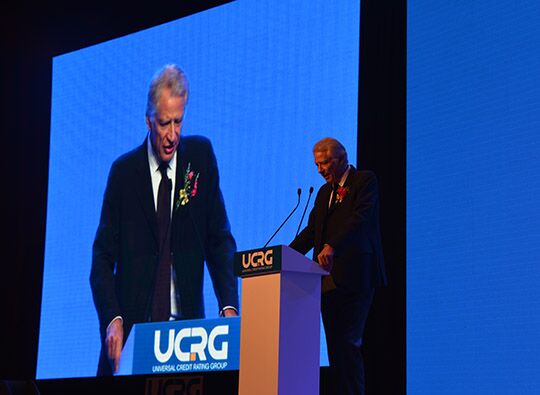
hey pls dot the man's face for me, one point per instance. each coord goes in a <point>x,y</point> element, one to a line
<point>328,167</point>
<point>166,123</point>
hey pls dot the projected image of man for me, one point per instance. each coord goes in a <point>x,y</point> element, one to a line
<point>162,217</point>
<point>343,230</point>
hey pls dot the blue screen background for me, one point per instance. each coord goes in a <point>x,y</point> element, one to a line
<point>473,213</point>
<point>268,79</point>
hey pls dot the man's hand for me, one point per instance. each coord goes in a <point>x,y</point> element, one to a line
<point>114,339</point>
<point>230,313</point>
<point>326,257</point>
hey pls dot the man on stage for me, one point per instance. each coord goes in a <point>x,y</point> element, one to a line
<point>162,217</point>
<point>343,229</point>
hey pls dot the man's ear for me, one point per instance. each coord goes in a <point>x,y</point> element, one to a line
<point>342,163</point>
<point>148,123</point>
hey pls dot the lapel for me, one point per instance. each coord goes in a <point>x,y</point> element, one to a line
<point>347,184</point>
<point>322,212</point>
<point>143,187</point>
<point>326,199</point>
<point>181,166</point>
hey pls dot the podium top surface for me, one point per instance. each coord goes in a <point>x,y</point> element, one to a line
<point>275,259</point>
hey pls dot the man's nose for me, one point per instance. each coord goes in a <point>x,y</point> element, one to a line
<point>171,131</point>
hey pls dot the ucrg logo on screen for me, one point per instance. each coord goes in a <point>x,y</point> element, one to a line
<point>200,342</point>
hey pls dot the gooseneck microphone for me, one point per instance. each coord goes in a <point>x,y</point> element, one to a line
<point>305,208</point>
<point>286,219</point>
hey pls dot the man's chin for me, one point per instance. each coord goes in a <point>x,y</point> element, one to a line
<point>166,155</point>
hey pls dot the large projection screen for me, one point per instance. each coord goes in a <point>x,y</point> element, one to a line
<point>267,80</point>
<point>473,218</point>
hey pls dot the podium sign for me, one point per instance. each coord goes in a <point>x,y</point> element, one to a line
<point>257,262</point>
<point>182,346</point>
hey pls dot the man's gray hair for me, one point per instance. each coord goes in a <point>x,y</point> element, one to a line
<point>171,77</point>
<point>332,147</point>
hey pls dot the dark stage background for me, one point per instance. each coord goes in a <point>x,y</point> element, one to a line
<point>33,33</point>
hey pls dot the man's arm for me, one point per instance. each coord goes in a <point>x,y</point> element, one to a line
<point>306,238</point>
<point>104,257</point>
<point>105,253</point>
<point>305,241</point>
<point>220,244</point>
<point>365,202</point>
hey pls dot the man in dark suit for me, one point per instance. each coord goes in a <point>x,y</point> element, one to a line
<point>163,215</point>
<point>343,230</point>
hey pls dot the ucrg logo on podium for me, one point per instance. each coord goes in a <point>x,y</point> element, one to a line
<point>257,259</point>
<point>257,262</point>
<point>182,346</point>
<point>192,344</point>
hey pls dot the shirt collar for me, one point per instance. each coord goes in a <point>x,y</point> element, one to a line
<point>344,176</point>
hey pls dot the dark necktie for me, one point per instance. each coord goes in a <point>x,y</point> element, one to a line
<point>161,302</point>
<point>335,187</point>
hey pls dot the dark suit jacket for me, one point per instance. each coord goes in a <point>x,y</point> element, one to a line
<point>352,229</point>
<point>125,251</point>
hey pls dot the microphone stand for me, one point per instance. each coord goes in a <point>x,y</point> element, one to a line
<point>304,213</point>
<point>286,219</point>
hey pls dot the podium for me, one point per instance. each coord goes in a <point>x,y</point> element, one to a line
<point>280,326</point>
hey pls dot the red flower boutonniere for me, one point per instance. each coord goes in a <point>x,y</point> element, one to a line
<point>190,188</point>
<point>341,193</point>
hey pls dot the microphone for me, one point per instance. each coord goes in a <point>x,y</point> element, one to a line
<point>286,219</point>
<point>305,208</point>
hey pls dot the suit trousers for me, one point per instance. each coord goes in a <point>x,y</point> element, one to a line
<point>344,316</point>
